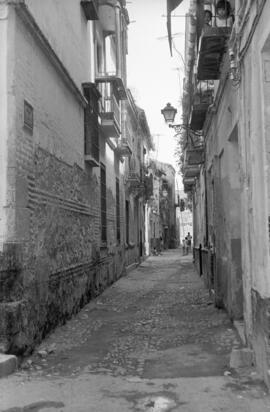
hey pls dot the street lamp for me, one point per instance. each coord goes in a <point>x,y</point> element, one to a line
<point>169,113</point>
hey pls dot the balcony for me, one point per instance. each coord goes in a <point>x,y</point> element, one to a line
<point>191,171</point>
<point>112,90</point>
<point>123,148</point>
<point>110,117</point>
<point>107,17</point>
<point>194,157</point>
<point>201,101</point>
<point>188,184</point>
<point>135,184</point>
<point>90,9</point>
<point>116,83</point>
<point>109,111</point>
<point>212,46</point>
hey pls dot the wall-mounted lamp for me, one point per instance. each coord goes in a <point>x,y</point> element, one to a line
<point>193,136</point>
<point>169,113</point>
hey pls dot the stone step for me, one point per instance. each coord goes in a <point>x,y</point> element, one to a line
<point>8,364</point>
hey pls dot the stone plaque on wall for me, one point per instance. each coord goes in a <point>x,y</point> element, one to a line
<point>28,118</point>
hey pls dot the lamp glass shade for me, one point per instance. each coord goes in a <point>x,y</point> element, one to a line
<point>169,113</point>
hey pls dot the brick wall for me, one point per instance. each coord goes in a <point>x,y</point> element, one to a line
<point>52,263</point>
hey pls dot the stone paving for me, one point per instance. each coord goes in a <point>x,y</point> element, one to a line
<point>155,325</point>
<point>144,314</point>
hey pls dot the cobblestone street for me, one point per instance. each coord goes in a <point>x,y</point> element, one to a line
<point>153,341</point>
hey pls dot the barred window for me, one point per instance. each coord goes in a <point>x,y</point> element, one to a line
<point>103,203</point>
<point>127,221</point>
<point>117,210</point>
<point>91,133</point>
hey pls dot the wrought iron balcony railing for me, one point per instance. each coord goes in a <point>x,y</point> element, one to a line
<point>202,99</point>
<point>109,110</point>
<point>212,47</point>
<point>194,156</point>
<point>124,148</point>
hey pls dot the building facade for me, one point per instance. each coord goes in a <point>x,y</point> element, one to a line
<point>184,218</point>
<point>161,207</point>
<point>226,159</point>
<point>138,135</point>
<point>65,155</point>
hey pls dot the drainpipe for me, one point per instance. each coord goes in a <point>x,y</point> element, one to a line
<point>118,41</point>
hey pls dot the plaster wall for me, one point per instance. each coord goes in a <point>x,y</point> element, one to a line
<point>58,117</point>
<point>223,199</point>
<point>51,15</point>
<point>255,154</point>
<point>4,65</point>
<point>170,176</point>
<point>254,97</point>
<point>199,212</point>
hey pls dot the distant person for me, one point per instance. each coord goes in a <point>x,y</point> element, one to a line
<point>207,18</point>
<point>183,247</point>
<point>186,245</point>
<point>155,252</point>
<point>161,243</point>
<point>224,16</point>
<point>189,237</point>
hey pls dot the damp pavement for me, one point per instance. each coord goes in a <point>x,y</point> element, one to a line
<point>152,342</point>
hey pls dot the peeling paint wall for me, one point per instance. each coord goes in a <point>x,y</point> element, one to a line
<point>237,145</point>
<point>217,200</point>
<point>254,138</point>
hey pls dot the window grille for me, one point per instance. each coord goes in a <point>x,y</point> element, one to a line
<point>103,203</point>
<point>127,221</point>
<point>117,210</point>
<point>91,133</point>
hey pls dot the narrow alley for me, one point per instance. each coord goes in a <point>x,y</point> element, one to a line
<point>153,341</point>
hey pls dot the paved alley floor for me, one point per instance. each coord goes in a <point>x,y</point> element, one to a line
<point>151,342</point>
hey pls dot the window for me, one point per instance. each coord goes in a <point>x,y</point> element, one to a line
<point>117,211</point>
<point>127,221</point>
<point>99,59</point>
<point>91,133</point>
<point>103,203</point>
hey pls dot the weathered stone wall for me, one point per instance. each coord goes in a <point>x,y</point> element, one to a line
<point>60,267</point>
<point>4,65</point>
<point>261,329</point>
<point>51,263</point>
<point>199,212</point>
<point>223,198</point>
<point>170,178</point>
<point>254,138</point>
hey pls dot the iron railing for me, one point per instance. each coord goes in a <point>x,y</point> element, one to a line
<point>108,102</point>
